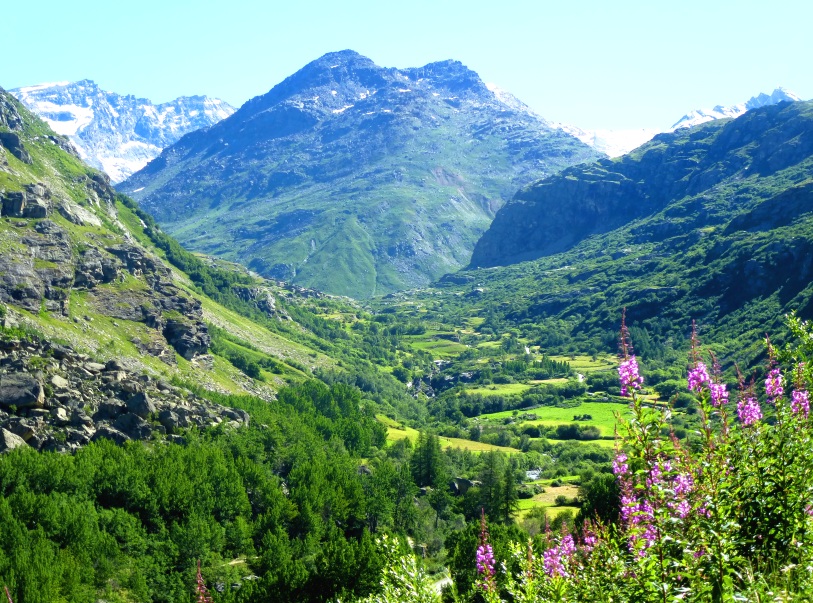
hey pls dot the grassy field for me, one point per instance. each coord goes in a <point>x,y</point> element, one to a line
<point>499,389</point>
<point>437,346</point>
<point>585,364</point>
<point>397,431</point>
<point>547,500</point>
<point>603,415</point>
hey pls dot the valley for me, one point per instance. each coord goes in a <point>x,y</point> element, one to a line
<point>410,309</point>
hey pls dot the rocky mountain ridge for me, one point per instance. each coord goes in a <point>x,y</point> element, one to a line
<point>118,134</point>
<point>353,178</point>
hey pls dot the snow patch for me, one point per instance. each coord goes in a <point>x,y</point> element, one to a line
<point>342,110</point>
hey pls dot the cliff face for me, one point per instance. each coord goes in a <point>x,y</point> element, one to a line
<point>708,164</point>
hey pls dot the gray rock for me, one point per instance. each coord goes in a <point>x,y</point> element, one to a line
<point>21,390</point>
<point>12,141</point>
<point>60,382</point>
<point>109,433</point>
<point>134,426</point>
<point>169,420</point>
<point>94,367</point>
<point>23,428</point>
<point>141,405</point>
<point>60,415</point>
<point>77,214</point>
<point>114,365</point>
<point>109,410</point>
<point>9,441</point>
<point>188,338</point>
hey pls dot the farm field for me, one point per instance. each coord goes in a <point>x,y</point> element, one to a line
<point>603,415</point>
<point>397,431</point>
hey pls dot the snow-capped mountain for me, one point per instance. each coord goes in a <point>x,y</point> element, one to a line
<point>700,116</point>
<point>620,142</point>
<point>115,133</point>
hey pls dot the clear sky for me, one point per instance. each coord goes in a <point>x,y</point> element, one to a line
<point>591,63</point>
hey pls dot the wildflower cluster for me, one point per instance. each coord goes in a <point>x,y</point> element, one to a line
<point>694,513</point>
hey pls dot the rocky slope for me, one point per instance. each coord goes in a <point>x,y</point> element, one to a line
<point>353,178</point>
<point>116,133</point>
<point>94,322</point>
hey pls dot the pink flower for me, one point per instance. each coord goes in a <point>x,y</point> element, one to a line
<point>773,384</point>
<point>698,377</point>
<point>628,376</point>
<point>719,395</point>
<point>683,484</point>
<point>485,560</point>
<point>800,402</point>
<point>620,466</point>
<point>748,411</point>
<point>555,558</point>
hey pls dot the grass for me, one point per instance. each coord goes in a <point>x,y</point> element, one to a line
<point>603,415</point>
<point>501,389</point>
<point>547,501</point>
<point>585,364</point>
<point>397,431</point>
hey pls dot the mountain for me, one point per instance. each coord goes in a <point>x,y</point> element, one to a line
<point>620,142</point>
<point>118,134</point>
<point>699,116</point>
<point>712,222</point>
<point>353,178</point>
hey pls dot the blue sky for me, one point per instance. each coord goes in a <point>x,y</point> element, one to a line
<point>595,64</point>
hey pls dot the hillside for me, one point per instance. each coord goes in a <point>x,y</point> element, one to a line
<point>118,134</point>
<point>711,223</point>
<point>352,178</point>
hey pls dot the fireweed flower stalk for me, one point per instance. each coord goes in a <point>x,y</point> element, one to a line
<point>486,574</point>
<point>200,588</point>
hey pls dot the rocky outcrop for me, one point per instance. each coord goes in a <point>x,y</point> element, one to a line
<point>34,202</point>
<point>15,146</point>
<point>53,398</point>
<point>263,299</point>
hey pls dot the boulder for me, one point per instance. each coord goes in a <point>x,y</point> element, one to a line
<point>140,404</point>
<point>109,433</point>
<point>134,426</point>
<point>9,441</point>
<point>169,420</point>
<point>188,338</point>
<point>14,204</point>
<point>60,382</point>
<point>21,390</point>
<point>36,208</point>
<point>77,214</point>
<point>109,410</point>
